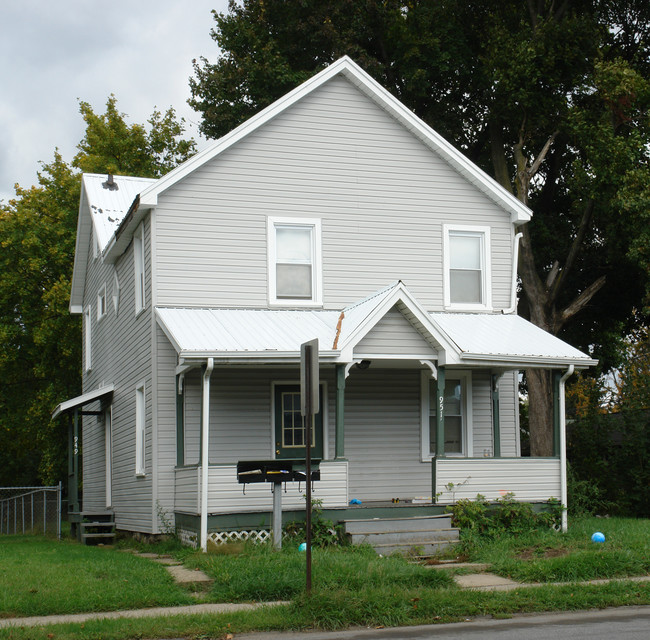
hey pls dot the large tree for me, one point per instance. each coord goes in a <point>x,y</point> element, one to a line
<point>551,98</point>
<point>40,342</point>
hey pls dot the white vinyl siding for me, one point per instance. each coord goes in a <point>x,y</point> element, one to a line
<point>139,269</point>
<point>140,417</point>
<point>468,279</point>
<point>121,355</point>
<point>294,264</point>
<point>108,448</point>
<point>382,198</point>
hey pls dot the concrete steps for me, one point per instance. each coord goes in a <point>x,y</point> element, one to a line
<point>418,536</point>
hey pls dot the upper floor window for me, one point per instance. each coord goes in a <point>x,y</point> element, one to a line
<point>138,263</point>
<point>294,261</point>
<point>467,267</point>
<point>101,302</point>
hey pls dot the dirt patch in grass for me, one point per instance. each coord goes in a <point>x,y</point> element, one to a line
<point>533,553</point>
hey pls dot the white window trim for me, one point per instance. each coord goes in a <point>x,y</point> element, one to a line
<point>468,430</point>
<point>317,265</point>
<point>139,269</point>
<point>108,448</point>
<point>140,429</point>
<point>283,383</point>
<point>88,338</point>
<point>101,295</point>
<point>486,266</point>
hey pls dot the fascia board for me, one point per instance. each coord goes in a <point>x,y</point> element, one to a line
<point>538,362</point>
<point>81,251</point>
<point>257,357</point>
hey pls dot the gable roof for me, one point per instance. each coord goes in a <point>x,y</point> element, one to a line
<point>519,213</point>
<point>261,335</point>
<point>107,209</point>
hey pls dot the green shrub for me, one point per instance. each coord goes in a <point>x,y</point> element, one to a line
<point>323,531</point>
<point>505,515</point>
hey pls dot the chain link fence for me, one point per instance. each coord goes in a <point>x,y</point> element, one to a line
<point>33,510</point>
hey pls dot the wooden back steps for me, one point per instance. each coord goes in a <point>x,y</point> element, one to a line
<point>417,536</point>
<point>93,527</point>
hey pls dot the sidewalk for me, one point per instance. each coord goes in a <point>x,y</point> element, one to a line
<point>192,609</point>
<point>477,581</point>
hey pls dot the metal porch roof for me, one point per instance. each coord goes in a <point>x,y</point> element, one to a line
<point>507,338</point>
<point>89,396</point>
<point>472,339</point>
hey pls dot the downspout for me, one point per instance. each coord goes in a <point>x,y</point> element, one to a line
<point>205,448</point>
<point>563,474</point>
<point>513,286</point>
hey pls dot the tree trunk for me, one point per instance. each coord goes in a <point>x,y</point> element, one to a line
<point>540,412</point>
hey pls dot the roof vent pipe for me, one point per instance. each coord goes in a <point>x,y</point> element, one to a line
<point>110,183</point>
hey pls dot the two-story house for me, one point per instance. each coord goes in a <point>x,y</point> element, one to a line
<point>336,214</point>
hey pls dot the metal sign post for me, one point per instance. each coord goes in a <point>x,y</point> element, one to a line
<point>309,407</point>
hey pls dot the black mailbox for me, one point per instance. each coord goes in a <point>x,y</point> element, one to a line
<point>276,471</point>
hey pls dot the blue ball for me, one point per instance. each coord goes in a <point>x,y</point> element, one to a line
<point>303,546</point>
<point>598,537</point>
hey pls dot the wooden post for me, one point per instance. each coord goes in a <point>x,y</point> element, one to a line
<point>496,425</point>
<point>440,414</point>
<point>340,411</point>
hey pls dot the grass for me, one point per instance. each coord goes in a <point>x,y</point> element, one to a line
<point>351,587</point>
<point>42,577</point>
<point>546,556</point>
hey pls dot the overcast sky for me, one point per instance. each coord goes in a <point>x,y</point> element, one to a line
<point>55,52</point>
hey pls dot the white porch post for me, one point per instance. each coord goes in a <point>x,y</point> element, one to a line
<point>205,449</point>
<point>563,474</point>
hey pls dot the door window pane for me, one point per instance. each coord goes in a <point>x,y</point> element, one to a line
<point>453,417</point>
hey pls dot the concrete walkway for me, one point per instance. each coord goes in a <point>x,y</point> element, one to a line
<point>191,609</point>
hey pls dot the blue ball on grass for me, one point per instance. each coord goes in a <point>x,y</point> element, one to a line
<point>303,546</point>
<point>598,537</point>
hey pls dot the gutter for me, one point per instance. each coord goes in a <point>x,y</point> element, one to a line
<point>205,449</point>
<point>563,471</point>
<point>513,287</point>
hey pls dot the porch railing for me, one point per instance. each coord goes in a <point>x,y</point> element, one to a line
<point>29,510</point>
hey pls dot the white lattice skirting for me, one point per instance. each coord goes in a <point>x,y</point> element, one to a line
<point>256,536</point>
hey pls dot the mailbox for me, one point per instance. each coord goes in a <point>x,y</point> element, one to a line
<point>275,471</point>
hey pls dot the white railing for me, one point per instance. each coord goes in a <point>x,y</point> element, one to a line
<point>529,479</point>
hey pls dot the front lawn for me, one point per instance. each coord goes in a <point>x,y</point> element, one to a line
<point>42,577</point>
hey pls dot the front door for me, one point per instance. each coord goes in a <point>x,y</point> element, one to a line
<point>289,426</point>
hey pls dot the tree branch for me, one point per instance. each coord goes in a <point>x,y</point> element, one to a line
<point>585,223</point>
<point>579,303</point>
<point>542,154</point>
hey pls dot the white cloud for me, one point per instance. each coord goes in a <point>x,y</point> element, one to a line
<point>57,53</point>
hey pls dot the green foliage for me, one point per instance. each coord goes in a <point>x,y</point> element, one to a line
<point>323,531</point>
<point>111,145</point>
<point>505,516</point>
<point>40,343</point>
